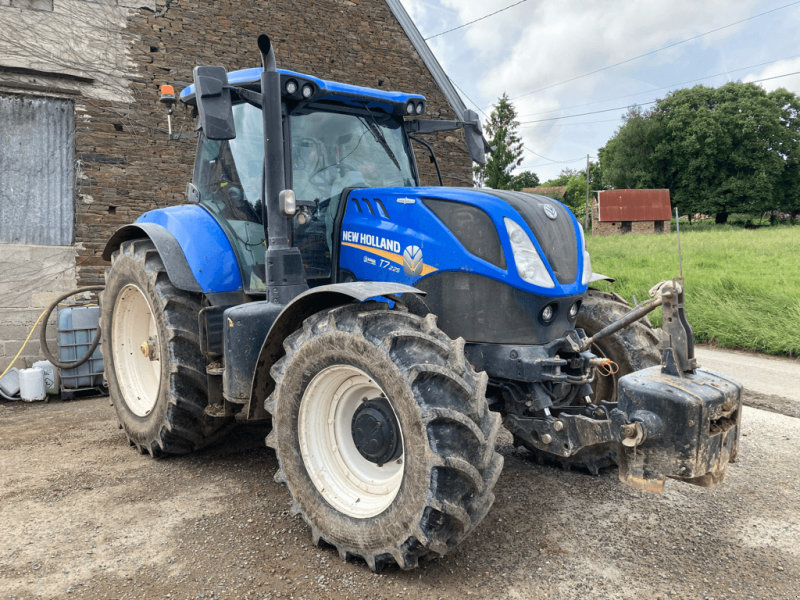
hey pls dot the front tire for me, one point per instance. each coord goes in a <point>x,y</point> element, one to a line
<point>432,493</point>
<point>153,364</point>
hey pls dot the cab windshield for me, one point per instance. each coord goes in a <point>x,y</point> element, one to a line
<point>330,152</point>
<point>333,151</point>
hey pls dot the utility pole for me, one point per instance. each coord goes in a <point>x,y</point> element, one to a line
<point>586,216</point>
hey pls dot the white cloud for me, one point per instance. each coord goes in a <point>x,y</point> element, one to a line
<point>791,83</point>
<point>540,43</point>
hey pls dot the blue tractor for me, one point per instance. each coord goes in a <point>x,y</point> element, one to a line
<point>386,330</point>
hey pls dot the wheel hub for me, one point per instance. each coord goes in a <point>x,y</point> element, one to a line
<point>149,349</point>
<point>376,432</point>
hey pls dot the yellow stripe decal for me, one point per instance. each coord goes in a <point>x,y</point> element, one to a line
<point>388,256</point>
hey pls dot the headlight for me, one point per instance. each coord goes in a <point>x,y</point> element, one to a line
<point>307,91</point>
<point>529,264</point>
<point>410,108</point>
<point>573,310</point>
<point>547,313</point>
<point>420,108</point>
<point>587,261</point>
<point>291,87</point>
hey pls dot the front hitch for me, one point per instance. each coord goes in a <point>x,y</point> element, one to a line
<point>683,428</point>
<point>670,421</point>
<point>686,420</point>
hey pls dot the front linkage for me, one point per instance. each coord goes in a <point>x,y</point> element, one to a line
<point>675,420</point>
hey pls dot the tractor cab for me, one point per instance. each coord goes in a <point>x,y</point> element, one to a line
<point>336,137</point>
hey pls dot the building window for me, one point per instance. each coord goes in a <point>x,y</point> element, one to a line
<point>625,227</point>
<point>37,178</point>
<point>658,226</point>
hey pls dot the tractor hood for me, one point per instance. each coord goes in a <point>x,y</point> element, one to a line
<point>554,227</point>
<point>467,230</point>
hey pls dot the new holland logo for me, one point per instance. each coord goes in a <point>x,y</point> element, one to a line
<point>412,261</point>
<point>549,210</point>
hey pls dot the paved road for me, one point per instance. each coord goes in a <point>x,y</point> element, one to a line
<point>774,376</point>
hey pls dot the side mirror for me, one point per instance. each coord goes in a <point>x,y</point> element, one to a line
<point>473,133</point>
<point>214,103</point>
<point>192,193</point>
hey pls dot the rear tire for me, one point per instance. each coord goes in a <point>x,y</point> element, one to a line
<point>441,489</point>
<point>632,348</point>
<point>159,402</point>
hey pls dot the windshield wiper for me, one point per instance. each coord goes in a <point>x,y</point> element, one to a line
<point>379,137</point>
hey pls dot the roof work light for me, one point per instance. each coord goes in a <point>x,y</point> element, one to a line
<point>168,99</point>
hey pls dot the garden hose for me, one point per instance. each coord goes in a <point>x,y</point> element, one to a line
<point>25,343</point>
<point>43,331</point>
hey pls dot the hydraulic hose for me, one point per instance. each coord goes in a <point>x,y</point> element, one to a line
<point>43,331</point>
<point>631,317</point>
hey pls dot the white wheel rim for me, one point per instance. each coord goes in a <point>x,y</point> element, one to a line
<point>348,481</point>
<point>132,324</point>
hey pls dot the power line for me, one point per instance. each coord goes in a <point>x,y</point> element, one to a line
<point>595,112</point>
<point>655,51</point>
<point>658,89</point>
<point>555,162</point>
<point>476,20</point>
<point>582,158</point>
<point>468,98</point>
<point>578,123</point>
<point>487,116</point>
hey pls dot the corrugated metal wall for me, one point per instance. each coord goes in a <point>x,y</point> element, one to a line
<point>37,171</point>
<point>634,205</point>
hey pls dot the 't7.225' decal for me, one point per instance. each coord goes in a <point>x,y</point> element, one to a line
<point>384,264</point>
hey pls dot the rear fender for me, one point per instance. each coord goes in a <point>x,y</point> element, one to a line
<point>291,319</point>
<point>178,269</point>
<point>195,249</point>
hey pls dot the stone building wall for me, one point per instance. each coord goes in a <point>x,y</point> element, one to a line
<point>128,164</point>
<point>110,57</point>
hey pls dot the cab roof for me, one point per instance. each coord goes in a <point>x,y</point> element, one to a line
<point>323,90</point>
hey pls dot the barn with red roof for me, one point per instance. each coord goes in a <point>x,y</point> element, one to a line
<point>617,212</point>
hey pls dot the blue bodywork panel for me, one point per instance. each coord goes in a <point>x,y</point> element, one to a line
<point>207,249</point>
<point>373,244</point>
<point>343,92</point>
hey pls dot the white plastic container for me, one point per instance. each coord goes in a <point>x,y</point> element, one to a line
<point>51,379</point>
<point>9,385</point>
<point>31,385</point>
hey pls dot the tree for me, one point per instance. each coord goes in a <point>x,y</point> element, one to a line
<point>718,151</point>
<point>787,193</point>
<point>628,158</point>
<point>507,154</point>
<point>526,179</point>
<point>575,182</point>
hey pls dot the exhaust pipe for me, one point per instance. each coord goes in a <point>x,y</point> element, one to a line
<point>274,181</point>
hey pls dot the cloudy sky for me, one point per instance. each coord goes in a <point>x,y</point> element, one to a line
<point>542,43</point>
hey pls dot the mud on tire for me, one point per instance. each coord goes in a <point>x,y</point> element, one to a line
<point>449,461</point>
<point>632,348</point>
<point>175,424</point>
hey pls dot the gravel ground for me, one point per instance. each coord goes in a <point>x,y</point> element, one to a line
<point>82,515</point>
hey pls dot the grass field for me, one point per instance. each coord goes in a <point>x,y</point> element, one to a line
<point>742,286</point>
